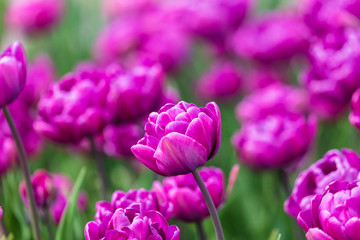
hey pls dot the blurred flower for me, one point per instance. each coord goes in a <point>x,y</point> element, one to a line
<point>261,77</point>
<point>334,74</point>
<point>277,36</point>
<point>179,138</point>
<point>334,214</point>
<point>74,108</point>
<point>355,107</point>
<point>12,73</point>
<point>43,186</point>
<point>135,93</point>
<point>274,141</point>
<point>184,193</point>
<point>40,75</point>
<point>1,212</point>
<point>275,98</point>
<point>133,222</point>
<point>150,200</point>
<point>34,16</point>
<point>221,81</point>
<point>336,165</point>
<point>64,187</point>
<point>171,95</point>
<point>8,153</point>
<point>118,139</point>
<point>323,16</point>
<point>115,8</point>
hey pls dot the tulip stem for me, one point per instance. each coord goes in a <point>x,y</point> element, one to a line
<point>48,223</point>
<point>100,167</point>
<point>200,230</point>
<point>284,179</point>
<point>26,172</point>
<point>210,204</point>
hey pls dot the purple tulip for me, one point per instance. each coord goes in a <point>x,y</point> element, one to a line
<point>43,186</point>
<point>274,37</point>
<point>275,141</point>
<point>133,222</point>
<point>184,193</point>
<point>150,200</point>
<point>276,98</point>
<point>64,187</point>
<point>336,165</point>
<point>115,8</point>
<point>34,15</point>
<point>263,76</point>
<point>179,138</point>
<point>8,153</point>
<point>41,74</point>
<point>223,80</point>
<point>12,73</point>
<point>171,95</point>
<point>334,214</point>
<point>1,212</point>
<point>118,139</point>
<point>355,107</point>
<point>135,93</point>
<point>334,74</point>
<point>74,108</point>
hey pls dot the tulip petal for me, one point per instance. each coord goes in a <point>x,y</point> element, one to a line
<point>146,155</point>
<point>91,231</point>
<point>352,228</point>
<point>317,234</point>
<point>179,154</point>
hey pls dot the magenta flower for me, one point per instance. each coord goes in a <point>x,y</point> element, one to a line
<point>64,187</point>
<point>276,98</point>
<point>223,80</point>
<point>43,186</point>
<point>334,74</point>
<point>115,8</point>
<point>40,76</point>
<point>34,15</point>
<point>12,73</point>
<point>150,200</point>
<point>336,165</point>
<point>274,37</point>
<point>263,76</point>
<point>355,107</point>
<point>135,93</point>
<point>8,153</point>
<point>334,214</point>
<point>275,141</point>
<point>1,212</point>
<point>179,138</point>
<point>74,108</point>
<point>184,193</point>
<point>133,222</point>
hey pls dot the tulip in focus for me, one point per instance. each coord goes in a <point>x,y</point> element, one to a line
<point>133,222</point>
<point>184,193</point>
<point>34,16</point>
<point>12,73</point>
<point>43,187</point>
<point>276,141</point>
<point>334,214</point>
<point>179,138</point>
<point>336,165</point>
<point>276,98</point>
<point>222,81</point>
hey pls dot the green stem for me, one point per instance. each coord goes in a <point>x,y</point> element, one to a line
<point>26,172</point>
<point>48,222</point>
<point>200,230</point>
<point>100,167</point>
<point>210,204</point>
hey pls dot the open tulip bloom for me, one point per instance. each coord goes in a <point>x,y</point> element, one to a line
<point>179,139</point>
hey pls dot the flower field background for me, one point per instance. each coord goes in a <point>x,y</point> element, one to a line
<point>255,208</point>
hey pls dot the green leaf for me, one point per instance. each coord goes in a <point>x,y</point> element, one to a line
<point>65,230</point>
<point>275,235</point>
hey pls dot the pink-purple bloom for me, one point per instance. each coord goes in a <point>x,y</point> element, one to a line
<point>336,165</point>
<point>355,109</point>
<point>275,98</point>
<point>223,80</point>
<point>43,187</point>
<point>8,153</point>
<point>115,8</point>
<point>33,16</point>
<point>274,141</point>
<point>334,214</point>
<point>186,197</point>
<point>74,108</point>
<point>179,138</point>
<point>274,37</point>
<point>334,73</point>
<point>12,73</point>
<point>132,222</point>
